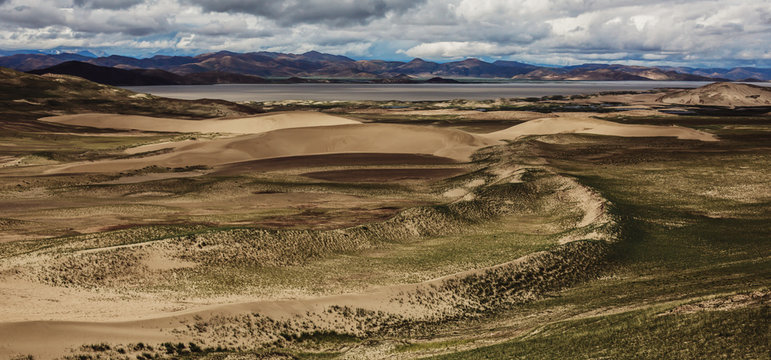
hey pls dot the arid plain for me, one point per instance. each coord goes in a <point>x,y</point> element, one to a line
<point>618,225</point>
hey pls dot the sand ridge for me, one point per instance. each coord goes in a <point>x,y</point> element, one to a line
<point>584,124</point>
<point>350,138</point>
<point>248,125</point>
<point>367,138</point>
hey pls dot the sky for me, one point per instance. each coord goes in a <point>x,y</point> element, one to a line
<point>722,33</point>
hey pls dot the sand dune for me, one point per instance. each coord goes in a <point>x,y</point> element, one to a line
<point>586,125</point>
<point>385,138</point>
<point>50,339</point>
<point>348,137</point>
<point>250,125</point>
<point>721,94</point>
<point>354,138</point>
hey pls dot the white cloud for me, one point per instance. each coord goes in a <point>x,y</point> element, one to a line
<point>544,31</point>
<point>458,49</point>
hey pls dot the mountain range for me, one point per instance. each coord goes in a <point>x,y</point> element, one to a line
<point>225,66</point>
<point>141,77</point>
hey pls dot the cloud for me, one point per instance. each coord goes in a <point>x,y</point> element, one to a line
<point>31,16</point>
<point>458,49</point>
<point>107,4</point>
<point>342,12</point>
<point>729,32</point>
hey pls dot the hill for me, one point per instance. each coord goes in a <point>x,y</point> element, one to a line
<point>26,62</point>
<point>721,94</point>
<point>114,76</point>
<point>734,74</point>
<point>26,97</point>
<point>138,77</point>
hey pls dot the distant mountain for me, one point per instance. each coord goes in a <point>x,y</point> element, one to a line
<point>609,72</point>
<point>26,62</point>
<point>314,64</point>
<point>651,73</point>
<point>417,66</point>
<point>155,62</point>
<point>516,66</point>
<point>734,74</point>
<point>139,77</point>
<point>472,68</point>
<point>55,51</point>
<point>17,52</point>
<point>113,76</point>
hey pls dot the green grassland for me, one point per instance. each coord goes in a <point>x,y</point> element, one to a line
<point>695,226</point>
<point>642,334</point>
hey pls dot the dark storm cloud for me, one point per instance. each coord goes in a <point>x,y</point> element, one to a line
<point>346,12</point>
<point>133,26</point>
<point>31,17</point>
<point>107,4</point>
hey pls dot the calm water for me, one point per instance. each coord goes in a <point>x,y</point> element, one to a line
<point>415,92</point>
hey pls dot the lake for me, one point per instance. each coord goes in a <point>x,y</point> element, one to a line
<point>410,92</point>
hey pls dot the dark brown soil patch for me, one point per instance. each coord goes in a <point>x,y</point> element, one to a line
<point>376,175</point>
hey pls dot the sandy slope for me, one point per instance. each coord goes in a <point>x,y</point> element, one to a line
<point>250,125</point>
<point>353,138</point>
<point>349,137</point>
<point>49,339</point>
<point>721,94</point>
<point>586,125</point>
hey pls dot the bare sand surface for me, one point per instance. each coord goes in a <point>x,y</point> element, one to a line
<point>159,146</point>
<point>466,114</point>
<point>584,124</point>
<point>362,138</point>
<point>353,138</point>
<point>250,125</point>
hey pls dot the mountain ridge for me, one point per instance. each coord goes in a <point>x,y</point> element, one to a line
<point>117,76</point>
<point>314,64</point>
